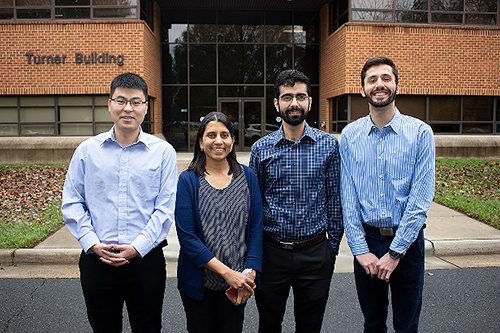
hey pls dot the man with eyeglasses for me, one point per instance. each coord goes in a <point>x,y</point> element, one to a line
<point>118,202</point>
<point>298,169</point>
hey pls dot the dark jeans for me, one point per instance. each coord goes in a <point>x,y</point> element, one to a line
<point>406,284</point>
<point>309,272</point>
<point>214,314</point>
<point>139,284</point>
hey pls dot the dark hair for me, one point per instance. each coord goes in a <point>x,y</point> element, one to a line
<point>288,78</point>
<point>129,81</point>
<point>199,160</point>
<point>375,62</point>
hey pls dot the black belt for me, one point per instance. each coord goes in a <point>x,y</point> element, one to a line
<point>295,245</point>
<point>388,232</point>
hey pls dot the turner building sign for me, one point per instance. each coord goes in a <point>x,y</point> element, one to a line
<point>79,58</point>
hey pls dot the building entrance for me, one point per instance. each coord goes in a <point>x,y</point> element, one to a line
<point>246,115</point>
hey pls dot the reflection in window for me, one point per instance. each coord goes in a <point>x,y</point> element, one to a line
<point>481,5</point>
<point>75,109</point>
<point>478,108</point>
<point>33,13</point>
<point>365,15</point>
<point>177,33</point>
<point>114,2</point>
<point>477,128</point>
<point>412,4</point>
<point>411,105</point>
<point>202,62</point>
<point>372,4</point>
<point>307,61</point>
<point>241,63</point>
<point>202,33</point>
<point>447,18</point>
<point>279,33</point>
<point>241,91</point>
<point>447,5</point>
<point>175,63</point>
<point>481,19</point>
<point>115,12</point>
<point>240,33</point>
<point>445,128</point>
<point>412,17</point>
<point>444,108</point>
<point>278,58</point>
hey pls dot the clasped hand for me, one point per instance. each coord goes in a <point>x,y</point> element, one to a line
<point>115,255</point>
<point>381,268</point>
<point>244,286</point>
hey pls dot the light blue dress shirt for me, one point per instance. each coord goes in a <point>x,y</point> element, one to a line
<point>121,195</point>
<point>387,179</point>
<point>300,185</point>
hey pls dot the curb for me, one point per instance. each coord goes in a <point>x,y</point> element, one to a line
<point>465,247</point>
<point>10,257</point>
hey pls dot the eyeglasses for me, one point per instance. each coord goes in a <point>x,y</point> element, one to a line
<point>134,102</point>
<point>289,97</point>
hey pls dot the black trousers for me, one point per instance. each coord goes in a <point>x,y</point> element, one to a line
<point>309,272</point>
<point>139,284</point>
<point>215,313</point>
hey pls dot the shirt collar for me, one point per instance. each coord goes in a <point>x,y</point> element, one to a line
<point>394,124</point>
<point>308,132</point>
<point>110,136</point>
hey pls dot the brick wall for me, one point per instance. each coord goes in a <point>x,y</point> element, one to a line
<point>139,45</point>
<point>432,60</point>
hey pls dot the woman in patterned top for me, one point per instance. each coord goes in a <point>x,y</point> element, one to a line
<point>219,224</point>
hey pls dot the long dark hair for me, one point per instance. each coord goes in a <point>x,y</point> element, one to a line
<point>199,160</point>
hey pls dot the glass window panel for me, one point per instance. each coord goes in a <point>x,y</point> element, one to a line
<point>279,33</point>
<point>241,63</point>
<point>202,63</point>
<point>412,105</point>
<point>72,3</point>
<point>412,4</point>
<point>307,61</point>
<point>342,108</point>
<point>312,118</point>
<point>359,107</point>
<point>278,58</point>
<point>6,13</point>
<point>241,91</point>
<point>306,27</point>
<point>72,13</point>
<point>33,13</point>
<point>477,128</point>
<point>372,4</point>
<point>37,101</point>
<point>8,130</point>
<point>202,33</point>
<point>411,17</point>
<point>73,109</point>
<point>478,108</point>
<point>33,2</point>
<point>241,33</point>
<point>444,108</point>
<point>102,127</point>
<point>332,107</point>
<point>203,100</point>
<point>447,5</point>
<point>481,5</point>
<point>8,114</point>
<point>445,128</point>
<point>37,109</point>
<point>360,15</point>
<point>176,126</point>
<point>115,12</point>
<point>178,33</point>
<point>38,129</point>
<point>175,63</point>
<point>76,129</point>
<point>447,18</point>
<point>481,19</point>
<point>6,3</point>
<point>114,2</point>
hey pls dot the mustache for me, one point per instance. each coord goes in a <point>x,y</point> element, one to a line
<point>294,108</point>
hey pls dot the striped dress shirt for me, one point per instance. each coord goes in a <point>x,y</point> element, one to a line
<point>300,185</point>
<point>387,179</point>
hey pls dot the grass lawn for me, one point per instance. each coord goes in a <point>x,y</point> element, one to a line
<point>30,197</point>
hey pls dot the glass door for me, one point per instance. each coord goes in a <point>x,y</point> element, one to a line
<point>246,115</point>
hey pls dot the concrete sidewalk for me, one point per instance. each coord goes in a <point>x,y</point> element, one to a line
<point>452,240</point>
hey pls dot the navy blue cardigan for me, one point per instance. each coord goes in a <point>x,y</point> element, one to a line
<point>193,252</point>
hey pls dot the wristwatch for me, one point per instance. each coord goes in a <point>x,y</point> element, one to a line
<point>395,255</point>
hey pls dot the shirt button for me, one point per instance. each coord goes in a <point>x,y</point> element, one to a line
<point>379,157</point>
<point>380,139</point>
<point>382,195</point>
<point>380,176</point>
<point>383,213</point>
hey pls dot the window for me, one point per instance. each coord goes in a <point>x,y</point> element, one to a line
<point>59,115</point>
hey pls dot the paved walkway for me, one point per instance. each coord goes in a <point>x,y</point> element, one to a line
<point>452,240</point>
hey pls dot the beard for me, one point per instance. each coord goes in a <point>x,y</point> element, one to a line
<point>381,104</point>
<point>296,119</point>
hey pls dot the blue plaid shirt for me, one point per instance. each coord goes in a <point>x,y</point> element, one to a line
<point>387,179</point>
<point>300,185</point>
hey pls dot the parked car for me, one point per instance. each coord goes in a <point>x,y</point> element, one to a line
<point>254,131</point>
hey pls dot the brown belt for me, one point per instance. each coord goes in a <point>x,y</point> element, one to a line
<point>295,245</point>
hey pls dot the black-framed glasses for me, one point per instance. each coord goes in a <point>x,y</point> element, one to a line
<point>134,102</point>
<point>289,97</point>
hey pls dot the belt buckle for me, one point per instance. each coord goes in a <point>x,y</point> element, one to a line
<point>387,232</point>
<point>287,245</point>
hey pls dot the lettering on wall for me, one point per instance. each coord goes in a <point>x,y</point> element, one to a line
<point>80,58</point>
